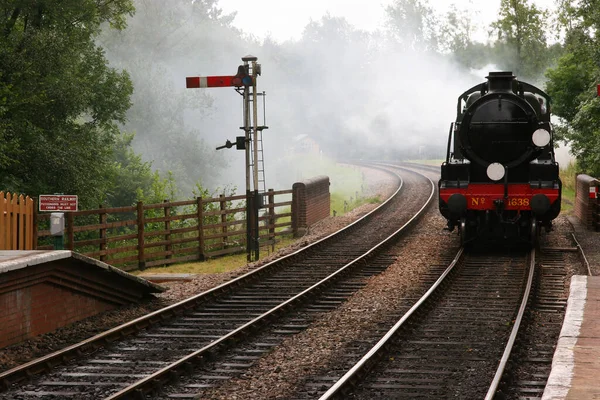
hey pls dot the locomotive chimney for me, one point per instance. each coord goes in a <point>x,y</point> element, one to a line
<point>500,81</point>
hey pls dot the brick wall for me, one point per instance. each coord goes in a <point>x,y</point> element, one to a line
<point>42,308</point>
<point>311,202</point>
<point>41,298</point>
<point>587,204</point>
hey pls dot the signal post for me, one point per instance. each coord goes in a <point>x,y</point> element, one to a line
<point>242,82</point>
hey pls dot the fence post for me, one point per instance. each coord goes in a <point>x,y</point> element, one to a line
<point>140,224</point>
<point>168,246</point>
<point>102,219</point>
<point>35,224</point>
<point>29,232</point>
<point>223,207</point>
<point>595,205</point>
<point>21,226</point>
<point>296,200</point>
<point>70,233</point>
<point>12,216</point>
<point>200,213</point>
<point>272,218</point>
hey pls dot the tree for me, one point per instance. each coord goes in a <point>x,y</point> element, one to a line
<point>572,85</point>
<point>456,30</point>
<point>161,43</point>
<point>412,24</point>
<point>60,103</point>
<point>521,29</point>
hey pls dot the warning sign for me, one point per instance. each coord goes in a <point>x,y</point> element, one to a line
<point>58,202</point>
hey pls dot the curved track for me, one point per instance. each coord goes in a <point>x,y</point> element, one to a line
<point>155,349</point>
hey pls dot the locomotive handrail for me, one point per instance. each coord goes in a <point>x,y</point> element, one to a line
<point>530,88</point>
<point>449,142</point>
<point>479,86</point>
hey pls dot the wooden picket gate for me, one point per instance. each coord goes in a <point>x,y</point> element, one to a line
<point>16,222</point>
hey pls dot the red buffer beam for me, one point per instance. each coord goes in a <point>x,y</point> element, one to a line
<point>192,82</point>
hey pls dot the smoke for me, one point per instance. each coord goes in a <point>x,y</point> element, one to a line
<point>336,93</point>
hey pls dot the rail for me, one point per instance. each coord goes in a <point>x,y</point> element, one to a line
<point>355,372</point>
<point>513,334</point>
<point>358,372</point>
<point>159,377</point>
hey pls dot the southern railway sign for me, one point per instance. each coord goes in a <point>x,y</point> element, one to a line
<point>58,202</point>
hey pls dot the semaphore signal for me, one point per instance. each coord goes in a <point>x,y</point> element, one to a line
<point>244,82</point>
<point>238,80</point>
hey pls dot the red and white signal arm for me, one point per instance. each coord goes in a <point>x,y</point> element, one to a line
<point>57,202</point>
<point>593,192</point>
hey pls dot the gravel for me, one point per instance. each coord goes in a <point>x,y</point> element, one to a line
<point>317,349</point>
<point>12,356</point>
<point>322,346</point>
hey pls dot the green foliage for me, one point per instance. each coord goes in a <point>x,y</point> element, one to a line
<point>59,101</point>
<point>521,35</point>
<point>568,177</point>
<point>455,32</point>
<point>412,24</point>
<point>572,84</point>
<point>160,189</point>
<point>341,204</point>
<point>158,38</point>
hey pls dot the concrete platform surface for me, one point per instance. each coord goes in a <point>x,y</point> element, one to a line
<point>576,364</point>
<point>167,277</point>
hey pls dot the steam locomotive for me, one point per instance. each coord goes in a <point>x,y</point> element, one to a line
<point>500,178</point>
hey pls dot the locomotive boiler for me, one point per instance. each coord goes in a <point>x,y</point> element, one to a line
<point>500,178</point>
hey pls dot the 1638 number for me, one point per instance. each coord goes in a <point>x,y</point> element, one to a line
<point>518,202</point>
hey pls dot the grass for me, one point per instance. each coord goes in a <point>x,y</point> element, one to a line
<point>567,176</point>
<point>214,265</point>
<point>437,163</point>
<point>341,205</point>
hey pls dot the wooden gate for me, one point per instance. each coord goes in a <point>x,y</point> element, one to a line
<point>16,222</point>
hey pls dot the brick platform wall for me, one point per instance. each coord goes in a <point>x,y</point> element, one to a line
<point>587,205</point>
<point>42,308</point>
<point>41,298</point>
<point>311,202</point>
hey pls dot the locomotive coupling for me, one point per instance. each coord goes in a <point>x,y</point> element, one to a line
<point>499,204</point>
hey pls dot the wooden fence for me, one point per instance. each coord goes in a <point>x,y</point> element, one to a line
<point>148,235</point>
<point>16,222</point>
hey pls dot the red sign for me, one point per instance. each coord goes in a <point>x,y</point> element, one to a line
<point>58,202</point>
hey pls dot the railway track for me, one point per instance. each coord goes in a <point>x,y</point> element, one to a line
<point>142,356</point>
<point>450,344</point>
<point>531,362</point>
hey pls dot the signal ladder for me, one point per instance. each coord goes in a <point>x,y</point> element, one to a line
<point>259,163</point>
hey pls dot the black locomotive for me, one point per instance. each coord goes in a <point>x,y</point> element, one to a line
<point>500,178</point>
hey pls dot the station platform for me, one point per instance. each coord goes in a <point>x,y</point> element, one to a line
<point>41,291</point>
<point>576,363</point>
